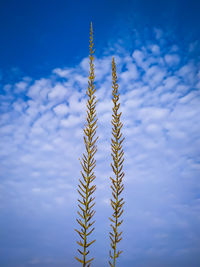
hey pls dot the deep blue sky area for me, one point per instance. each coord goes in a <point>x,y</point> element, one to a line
<point>37,36</point>
<point>44,67</point>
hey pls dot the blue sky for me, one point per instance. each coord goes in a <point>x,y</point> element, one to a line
<point>43,79</point>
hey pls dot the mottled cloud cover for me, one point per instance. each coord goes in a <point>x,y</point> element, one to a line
<point>41,140</point>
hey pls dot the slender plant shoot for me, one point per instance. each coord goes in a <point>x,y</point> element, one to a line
<point>117,166</point>
<point>88,163</point>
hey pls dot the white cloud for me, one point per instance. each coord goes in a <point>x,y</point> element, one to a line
<point>153,128</point>
<point>77,104</point>
<point>39,89</point>
<point>58,92</point>
<point>130,74</point>
<point>21,86</point>
<point>171,82</point>
<point>71,121</point>
<point>61,109</point>
<point>154,75</point>
<point>64,73</point>
<point>188,97</point>
<point>155,49</point>
<point>153,113</point>
<point>172,59</point>
<point>187,73</point>
<point>84,64</point>
<point>138,57</point>
<point>104,106</point>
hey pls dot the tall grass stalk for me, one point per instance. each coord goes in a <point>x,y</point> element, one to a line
<point>117,166</point>
<point>86,187</point>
